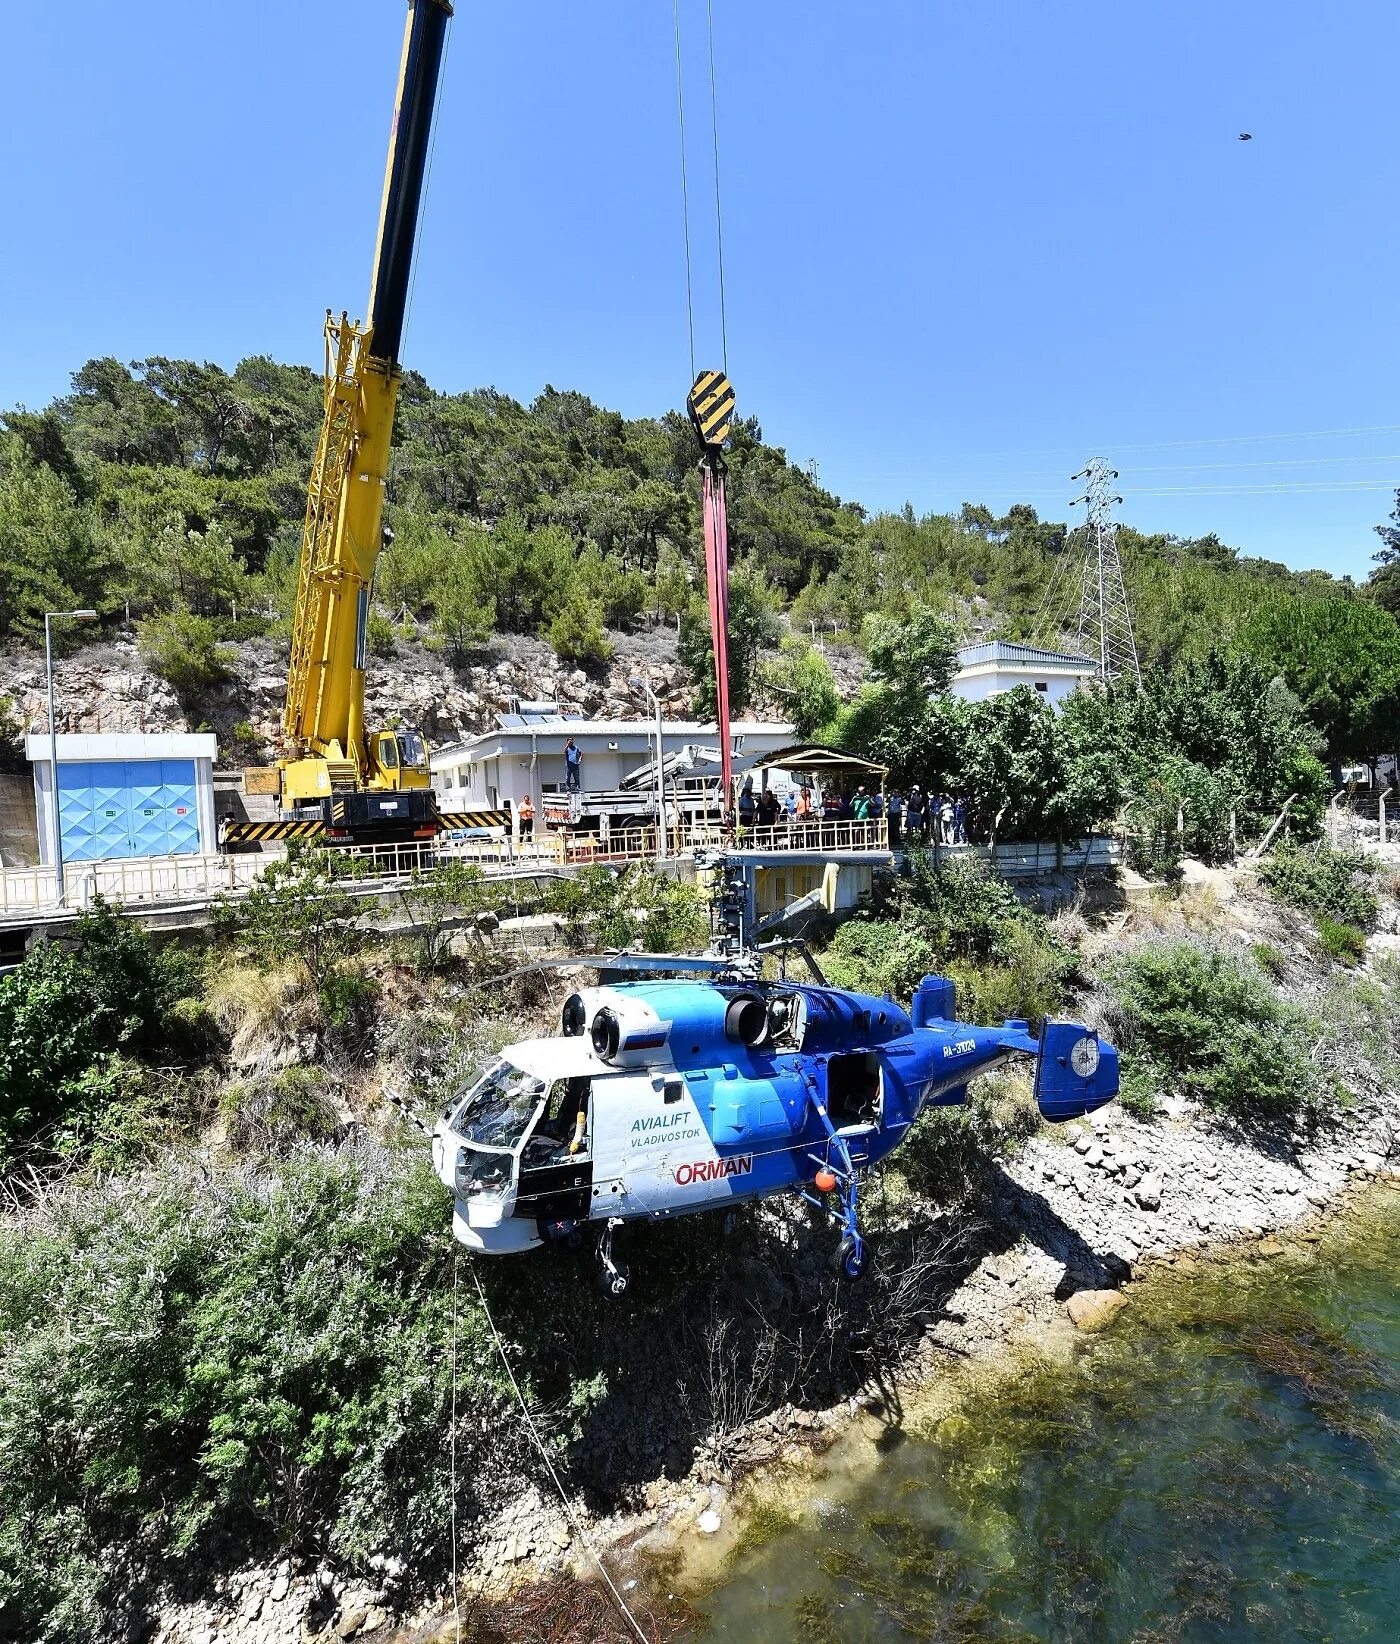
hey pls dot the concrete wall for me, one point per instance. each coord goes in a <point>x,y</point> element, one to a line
<point>19,823</point>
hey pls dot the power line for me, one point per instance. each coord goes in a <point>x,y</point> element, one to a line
<point>1174,445</point>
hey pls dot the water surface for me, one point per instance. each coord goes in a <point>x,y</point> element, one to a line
<point>1223,1464</point>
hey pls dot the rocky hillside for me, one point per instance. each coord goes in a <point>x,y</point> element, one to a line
<point>109,687</point>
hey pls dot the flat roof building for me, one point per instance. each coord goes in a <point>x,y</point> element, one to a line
<point>524,754</point>
<point>1000,665</point>
<point>126,794</point>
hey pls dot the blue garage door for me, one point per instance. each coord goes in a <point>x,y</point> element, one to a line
<point>129,807</point>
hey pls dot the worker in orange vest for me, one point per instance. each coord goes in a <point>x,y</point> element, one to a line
<point>527,818</point>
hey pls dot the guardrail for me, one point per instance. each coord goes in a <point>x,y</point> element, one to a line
<point>174,879</point>
<point>132,879</point>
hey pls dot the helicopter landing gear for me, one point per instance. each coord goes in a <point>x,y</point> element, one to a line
<point>612,1274</point>
<point>850,1256</point>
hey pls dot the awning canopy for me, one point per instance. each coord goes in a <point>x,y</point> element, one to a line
<point>812,758</point>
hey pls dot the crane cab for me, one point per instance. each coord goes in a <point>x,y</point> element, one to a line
<point>399,761</point>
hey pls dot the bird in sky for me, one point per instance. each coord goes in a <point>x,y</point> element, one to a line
<point>1246,136</point>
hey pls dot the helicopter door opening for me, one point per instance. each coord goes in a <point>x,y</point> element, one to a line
<point>556,1163</point>
<point>853,1089</point>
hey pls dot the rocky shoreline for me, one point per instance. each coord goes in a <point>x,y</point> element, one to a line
<point>1075,1219</point>
<point>1064,1230</point>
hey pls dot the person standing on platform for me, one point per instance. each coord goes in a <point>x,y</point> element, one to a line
<point>895,810</point>
<point>915,815</point>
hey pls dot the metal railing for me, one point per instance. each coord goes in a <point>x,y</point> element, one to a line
<point>132,879</point>
<point>142,881</point>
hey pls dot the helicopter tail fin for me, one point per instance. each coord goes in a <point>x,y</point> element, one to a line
<point>1075,1071</point>
<point>935,1000</point>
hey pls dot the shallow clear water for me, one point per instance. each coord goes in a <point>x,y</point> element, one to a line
<point>1223,1464</point>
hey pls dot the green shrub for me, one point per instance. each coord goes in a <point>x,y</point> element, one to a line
<point>184,649</point>
<point>577,634</point>
<point>1137,1088</point>
<point>950,1154</point>
<point>68,1015</point>
<point>1341,941</point>
<point>1029,980</point>
<point>1197,1020</point>
<point>1269,959</point>
<point>438,903</point>
<point>635,909</point>
<point>219,1367</point>
<point>957,920</point>
<point>300,909</point>
<point>380,634</point>
<point>270,1115</point>
<point>1359,1013</point>
<point>1324,882</point>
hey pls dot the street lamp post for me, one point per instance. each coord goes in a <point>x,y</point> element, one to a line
<point>639,683</point>
<point>50,617</point>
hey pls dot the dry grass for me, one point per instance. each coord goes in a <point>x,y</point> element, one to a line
<point>1171,911</point>
<point>268,1014</point>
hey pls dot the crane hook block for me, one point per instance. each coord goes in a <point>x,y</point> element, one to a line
<point>711,406</point>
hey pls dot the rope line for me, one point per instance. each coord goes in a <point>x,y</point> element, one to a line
<point>685,195</point>
<point>583,1536</point>
<point>456,1588</point>
<point>719,220</point>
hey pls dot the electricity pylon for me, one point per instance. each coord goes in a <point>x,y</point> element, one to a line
<point>1105,627</point>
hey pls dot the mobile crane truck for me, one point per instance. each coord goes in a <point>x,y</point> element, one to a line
<point>336,778</point>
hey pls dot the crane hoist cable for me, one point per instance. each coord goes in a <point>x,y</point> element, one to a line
<point>710,403</point>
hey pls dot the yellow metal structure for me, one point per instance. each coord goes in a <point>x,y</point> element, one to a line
<point>341,540</point>
<point>329,750</point>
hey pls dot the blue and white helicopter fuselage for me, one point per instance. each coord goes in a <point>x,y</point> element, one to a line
<point>665,1098</point>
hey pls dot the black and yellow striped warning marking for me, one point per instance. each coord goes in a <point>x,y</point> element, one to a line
<point>247,832</point>
<point>711,406</point>
<point>473,819</point>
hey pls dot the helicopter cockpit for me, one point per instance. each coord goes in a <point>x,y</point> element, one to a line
<point>518,1142</point>
<point>488,1124</point>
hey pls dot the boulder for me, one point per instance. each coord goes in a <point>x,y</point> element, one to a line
<point>1093,1309</point>
<point>1148,1192</point>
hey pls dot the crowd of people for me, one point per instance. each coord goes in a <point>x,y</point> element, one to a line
<point>914,818</point>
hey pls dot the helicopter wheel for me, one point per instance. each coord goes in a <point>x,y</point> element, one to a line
<point>612,1281</point>
<point>850,1256</point>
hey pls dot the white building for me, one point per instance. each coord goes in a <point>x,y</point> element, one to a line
<point>1000,665</point>
<point>126,794</point>
<point>524,754</point>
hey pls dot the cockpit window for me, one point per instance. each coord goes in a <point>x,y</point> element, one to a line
<point>499,1107</point>
<point>411,749</point>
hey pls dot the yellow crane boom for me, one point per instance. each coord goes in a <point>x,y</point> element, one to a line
<point>354,780</point>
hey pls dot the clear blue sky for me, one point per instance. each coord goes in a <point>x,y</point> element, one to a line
<point>967,245</point>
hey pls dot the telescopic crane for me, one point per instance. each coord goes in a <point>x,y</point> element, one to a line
<point>367,784</point>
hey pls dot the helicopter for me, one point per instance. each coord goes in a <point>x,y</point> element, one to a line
<point>669,1097</point>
